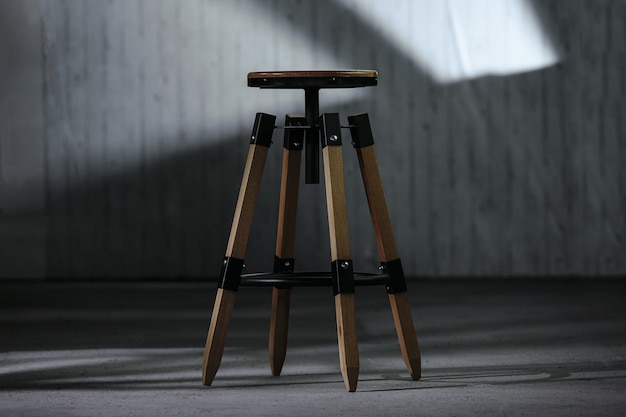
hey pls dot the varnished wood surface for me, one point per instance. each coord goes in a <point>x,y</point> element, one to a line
<point>246,202</point>
<point>288,203</point>
<point>407,337</point>
<point>376,201</point>
<point>313,79</point>
<point>285,241</point>
<point>347,339</point>
<point>216,338</point>
<point>279,326</point>
<point>314,74</point>
<point>336,203</point>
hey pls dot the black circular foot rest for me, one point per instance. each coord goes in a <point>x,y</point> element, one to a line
<point>308,279</point>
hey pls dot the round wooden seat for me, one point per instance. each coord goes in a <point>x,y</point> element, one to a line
<point>313,79</point>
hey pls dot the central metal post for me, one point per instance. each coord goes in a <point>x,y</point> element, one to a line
<point>312,113</point>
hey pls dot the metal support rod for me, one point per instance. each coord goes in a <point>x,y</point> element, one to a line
<point>312,158</point>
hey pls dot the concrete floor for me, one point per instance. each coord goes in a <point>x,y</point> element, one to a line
<point>489,347</point>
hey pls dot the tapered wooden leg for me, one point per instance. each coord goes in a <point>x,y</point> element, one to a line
<point>285,239</point>
<point>405,329</point>
<point>390,261</point>
<point>364,145</point>
<point>340,250</point>
<point>220,320</point>
<point>348,344</point>
<point>279,323</point>
<point>236,248</point>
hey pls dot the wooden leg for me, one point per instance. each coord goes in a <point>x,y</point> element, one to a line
<point>364,144</point>
<point>348,345</point>
<point>373,188</point>
<point>285,240</point>
<point>236,248</point>
<point>340,251</point>
<point>220,320</point>
<point>336,203</point>
<point>405,329</point>
<point>279,324</point>
<point>246,202</point>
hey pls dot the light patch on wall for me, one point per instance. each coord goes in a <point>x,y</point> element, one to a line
<point>161,78</point>
<point>455,40</point>
<point>264,41</point>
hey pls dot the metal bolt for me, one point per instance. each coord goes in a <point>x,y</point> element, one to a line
<point>333,138</point>
<point>225,261</point>
<point>345,265</point>
<point>296,144</point>
<point>253,138</point>
<point>287,264</point>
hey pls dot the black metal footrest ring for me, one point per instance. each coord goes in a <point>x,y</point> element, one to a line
<point>308,279</point>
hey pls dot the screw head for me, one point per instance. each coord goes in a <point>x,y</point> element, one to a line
<point>287,264</point>
<point>333,138</point>
<point>296,144</point>
<point>345,265</point>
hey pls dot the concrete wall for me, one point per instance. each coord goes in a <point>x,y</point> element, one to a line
<point>22,148</point>
<point>145,116</point>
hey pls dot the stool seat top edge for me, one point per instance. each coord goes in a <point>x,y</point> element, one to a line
<point>313,79</point>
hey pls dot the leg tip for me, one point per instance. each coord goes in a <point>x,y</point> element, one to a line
<point>351,378</point>
<point>415,376</point>
<point>207,381</point>
<point>415,369</point>
<point>276,369</point>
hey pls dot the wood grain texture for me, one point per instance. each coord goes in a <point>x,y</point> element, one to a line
<point>216,338</point>
<point>377,204</point>
<point>347,339</point>
<point>407,337</point>
<point>279,326</point>
<point>313,79</point>
<point>246,202</point>
<point>315,74</point>
<point>336,203</point>
<point>288,204</point>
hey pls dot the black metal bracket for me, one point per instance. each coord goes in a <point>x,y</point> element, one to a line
<point>343,276</point>
<point>393,269</point>
<point>294,132</point>
<point>263,129</point>
<point>312,136</point>
<point>230,276</point>
<point>330,129</point>
<point>283,265</point>
<point>361,130</point>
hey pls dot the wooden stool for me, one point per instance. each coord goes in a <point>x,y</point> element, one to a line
<point>306,132</point>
